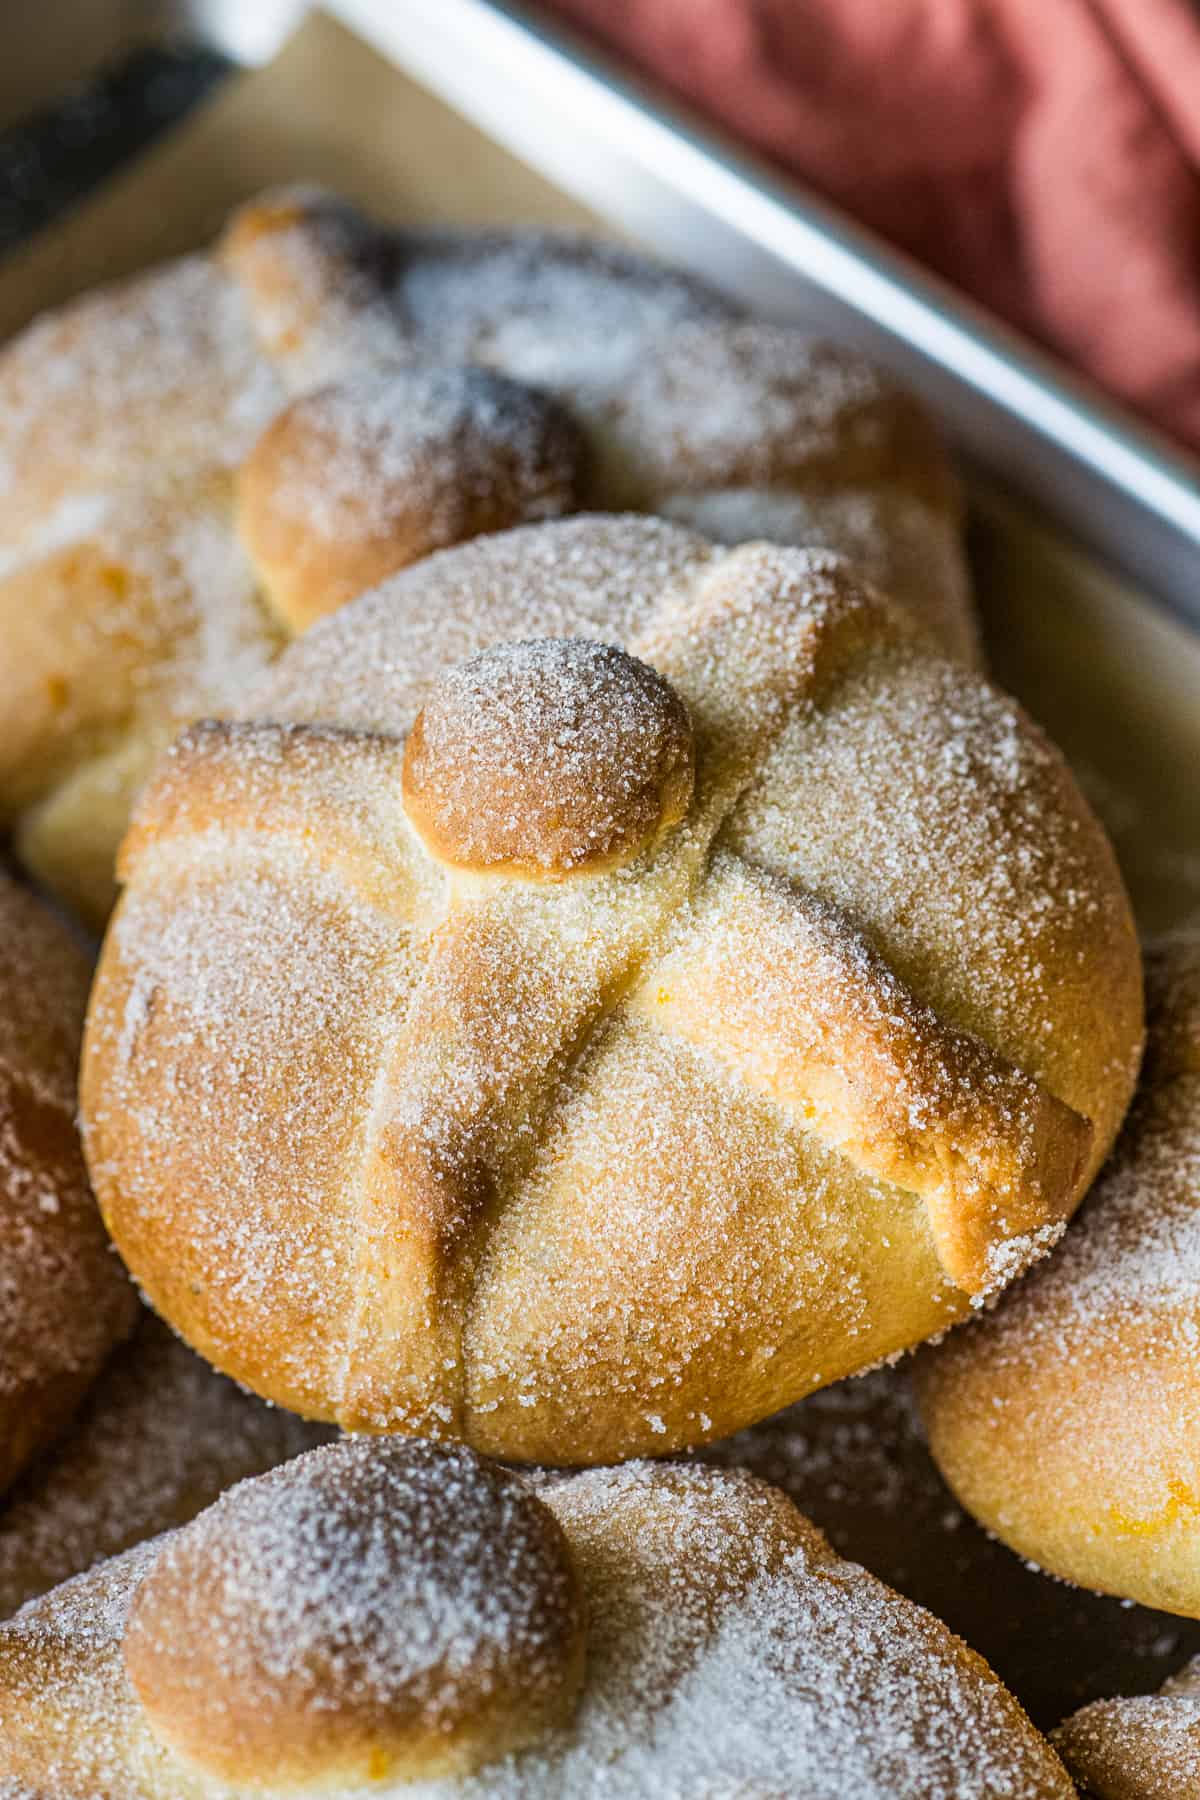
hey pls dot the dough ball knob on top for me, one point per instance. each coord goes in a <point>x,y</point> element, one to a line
<point>547,758</point>
<point>378,1610</point>
<point>365,476</point>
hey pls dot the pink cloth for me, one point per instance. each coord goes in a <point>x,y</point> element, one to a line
<point>1042,154</point>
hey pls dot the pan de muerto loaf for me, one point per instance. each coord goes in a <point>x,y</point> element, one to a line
<point>606,987</point>
<point>1069,1423</point>
<point>196,464</point>
<point>409,1619</point>
<point>64,1297</point>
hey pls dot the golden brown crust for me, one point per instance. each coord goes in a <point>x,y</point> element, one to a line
<point>506,1159</point>
<point>377,1611</point>
<point>728,1650</point>
<point>64,1298</point>
<point>1066,1421</point>
<point>902,1095</point>
<point>509,377</point>
<point>547,758</point>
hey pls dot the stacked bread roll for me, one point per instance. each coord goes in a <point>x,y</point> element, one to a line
<point>65,1299</point>
<point>580,985</point>
<point>196,465</point>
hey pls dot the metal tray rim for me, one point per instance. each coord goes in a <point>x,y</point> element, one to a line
<point>1062,442</point>
<point>1125,491</point>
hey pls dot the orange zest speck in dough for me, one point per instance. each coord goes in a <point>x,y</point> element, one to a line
<point>1182,1504</point>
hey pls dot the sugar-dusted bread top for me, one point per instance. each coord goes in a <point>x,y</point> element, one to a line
<point>748,992</point>
<point>405,1619</point>
<point>196,464</point>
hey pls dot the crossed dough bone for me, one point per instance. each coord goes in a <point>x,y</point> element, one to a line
<point>588,1048</point>
<point>404,1619</point>
<point>196,464</point>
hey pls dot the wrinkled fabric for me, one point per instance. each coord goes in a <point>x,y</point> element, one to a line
<point>1044,155</point>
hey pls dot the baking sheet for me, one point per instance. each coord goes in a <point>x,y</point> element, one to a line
<point>1115,680</point>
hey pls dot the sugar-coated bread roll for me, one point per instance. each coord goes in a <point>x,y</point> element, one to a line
<point>1067,1421</point>
<point>380,1610</point>
<point>1146,1747</point>
<point>64,1296</point>
<point>605,988</point>
<point>403,1618</point>
<point>196,464</point>
<point>159,1436</point>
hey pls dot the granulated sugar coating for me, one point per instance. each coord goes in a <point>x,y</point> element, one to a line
<point>329,401</point>
<point>1143,1748</point>
<point>853,1457</point>
<point>1084,1380</point>
<point>619,1160</point>
<point>370,1604</point>
<point>728,1650</point>
<point>162,373</point>
<point>399,430</point>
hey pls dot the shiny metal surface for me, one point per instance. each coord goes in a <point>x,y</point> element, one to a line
<point>47,45</point>
<point>1126,493</point>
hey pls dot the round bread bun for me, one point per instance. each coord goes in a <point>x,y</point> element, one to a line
<point>198,463</point>
<point>64,1297</point>
<point>1146,1747</point>
<point>577,1163</point>
<point>1067,1422</point>
<point>641,1631</point>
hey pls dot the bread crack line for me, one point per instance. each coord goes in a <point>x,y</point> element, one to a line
<point>781,989</point>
